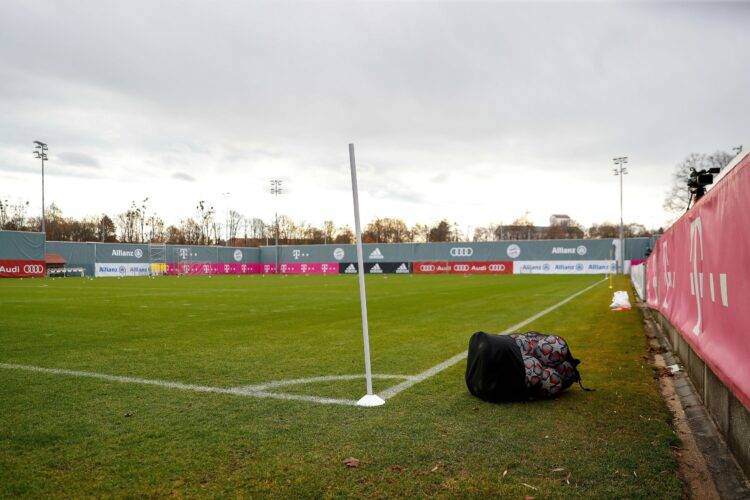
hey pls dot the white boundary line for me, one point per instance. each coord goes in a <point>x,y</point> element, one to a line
<point>250,391</point>
<point>430,372</point>
<point>261,390</point>
<point>313,380</point>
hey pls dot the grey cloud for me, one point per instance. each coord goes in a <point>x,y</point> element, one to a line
<point>182,176</point>
<point>447,90</point>
<point>78,159</point>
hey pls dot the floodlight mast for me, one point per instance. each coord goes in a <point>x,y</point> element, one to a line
<point>276,190</point>
<point>226,196</point>
<point>40,152</point>
<point>369,399</point>
<point>621,170</point>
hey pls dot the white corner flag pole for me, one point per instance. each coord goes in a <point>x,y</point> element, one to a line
<point>368,399</point>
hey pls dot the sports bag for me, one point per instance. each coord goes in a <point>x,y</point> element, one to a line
<point>517,367</point>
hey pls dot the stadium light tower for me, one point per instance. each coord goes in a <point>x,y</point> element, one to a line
<point>226,197</point>
<point>40,152</point>
<point>621,171</point>
<point>276,190</point>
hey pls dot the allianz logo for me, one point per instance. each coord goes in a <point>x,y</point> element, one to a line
<point>580,250</point>
<point>567,267</point>
<point>137,253</point>
<point>602,267</point>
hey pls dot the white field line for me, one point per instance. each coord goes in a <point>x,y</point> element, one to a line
<point>430,372</point>
<point>312,380</point>
<point>260,390</point>
<point>179,385</point>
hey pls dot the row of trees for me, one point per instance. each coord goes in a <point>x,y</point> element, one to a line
<point>138,225</point>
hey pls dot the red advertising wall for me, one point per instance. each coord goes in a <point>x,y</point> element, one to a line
<point>22,268</point>
<point>469,267</point>
<point>698,277</point>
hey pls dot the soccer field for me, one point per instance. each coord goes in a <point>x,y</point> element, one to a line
<point>217,385</point>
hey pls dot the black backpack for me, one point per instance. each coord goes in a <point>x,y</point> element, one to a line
<point>495,369</point>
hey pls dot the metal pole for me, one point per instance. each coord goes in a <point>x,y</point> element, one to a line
<point>43,226</point>
<point>276,190</point>
<point>622,232</point>
<point>621,170</point>
<point>277,243</point>
<point>369,399</point>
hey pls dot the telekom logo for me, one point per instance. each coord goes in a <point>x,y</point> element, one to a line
<point>696,275</point>
<point>668,275</point>
<point>696,283</point>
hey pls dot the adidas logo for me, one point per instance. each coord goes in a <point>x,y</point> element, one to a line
<point>403,269</point>
<point>350,269</point>
<point>376,254</point>
<point>376,269</point>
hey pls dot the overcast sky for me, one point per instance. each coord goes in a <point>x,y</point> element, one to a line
<point>472,112</point>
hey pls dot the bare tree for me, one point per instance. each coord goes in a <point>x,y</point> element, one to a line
<point>259,229</point>
<point>329,231</point>
<point>604,230</point>
<point>570,230</point>
<point>205,221</point>
<point>129,222</point>
<point>142,213</point>
<point>13,215</point>
<point>156,230</point>
<point>190,232</point>
<point>420,233</point>
<point>386,230</point>
<point>344,236</point>
<point>484,234</point>
<point>234,220</point>
<point>175,236</point>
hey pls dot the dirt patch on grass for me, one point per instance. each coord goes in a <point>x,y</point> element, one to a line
<point>693,468</point>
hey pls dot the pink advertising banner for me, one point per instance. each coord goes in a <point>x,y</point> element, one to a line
<point>698,277</point>
<point>307,268</point>
<point>196,268</point>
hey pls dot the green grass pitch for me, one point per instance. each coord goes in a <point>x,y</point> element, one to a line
<point>69,436</point>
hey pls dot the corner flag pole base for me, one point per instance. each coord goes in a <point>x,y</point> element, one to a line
<point>370,400</point>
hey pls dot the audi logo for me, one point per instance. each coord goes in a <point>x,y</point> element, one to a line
<point>428,267</point>
<point>461,267</point>
<point>497,267</point>
<point>33,268</point>
<point>462,252</point>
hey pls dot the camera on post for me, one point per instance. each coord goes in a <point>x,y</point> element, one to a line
<point>699,179</point>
